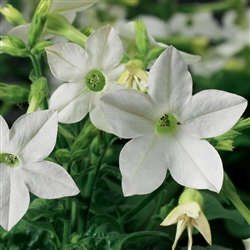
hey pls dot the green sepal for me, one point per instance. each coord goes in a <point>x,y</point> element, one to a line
<point>13,93</point>
<point>154,53</point>
<point>39,47</point>
<point>142,38</point>
<point>6,46</point>
<point>17,42</point>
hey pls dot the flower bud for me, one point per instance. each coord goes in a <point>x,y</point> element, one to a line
<point>63,155</point>
<point>12,15</point>
<point>191,195</point>
<point>38,22</point>
<point>17,42</point>
<point>13,93</point>
<point>39,90</point>
<point>59,25</point>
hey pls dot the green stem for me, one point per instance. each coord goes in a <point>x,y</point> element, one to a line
<point>234,198</point>
<point>36,66</point>
<point>125,218</point>
<point>97,161</point>
<point>66,222</point>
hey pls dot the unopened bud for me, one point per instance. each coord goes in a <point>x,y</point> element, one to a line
<point>12,15</point>
<point>63,155</point>
<point>13,93</point>
<point>38,21</point>
<point>191,195</point>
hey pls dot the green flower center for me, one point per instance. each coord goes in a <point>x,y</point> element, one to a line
<point>9,159</point>
<point>95,80</point>
<point>167,124</point>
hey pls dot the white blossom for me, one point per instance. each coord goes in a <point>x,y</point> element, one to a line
<point>168,126</point>
<point>23,168</point>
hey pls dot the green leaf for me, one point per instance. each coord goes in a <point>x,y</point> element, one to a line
<point>41,208</point>
<point>154,53</point>
<point>142,39</point>
<point>213,209</point>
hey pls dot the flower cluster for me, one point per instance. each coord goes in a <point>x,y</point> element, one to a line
<point>117,82</point>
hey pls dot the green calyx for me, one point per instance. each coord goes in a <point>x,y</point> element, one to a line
<point>167,124</point>
<point>9,159</point>
<point>95,80</point>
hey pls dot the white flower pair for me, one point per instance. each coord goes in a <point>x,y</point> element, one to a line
<point>168,125</point>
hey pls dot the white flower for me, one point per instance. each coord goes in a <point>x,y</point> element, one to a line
<point>22,166</point>
<point>89,74</point>
<point>246,243</point>
<point>168,126</point>
<point>127,34</point>
<point>188,216</point>
<point>191,25</point>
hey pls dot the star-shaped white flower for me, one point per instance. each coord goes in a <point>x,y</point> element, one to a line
<point>88,74</point>
<point>188,216</point>
<point>22,166</point>
<point>168,126</point>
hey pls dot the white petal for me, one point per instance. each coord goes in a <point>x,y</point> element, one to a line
<point>142,165</point>
<point>169,82</point>
<point>68,61</point>
<point>62,6</point>
<point>14,196</point>
<point>203,227</point>
<point>21,31</point>
<point>48,180</point>
<point>130,112</point>
<point>189,58</point>
<point>99,120</point>
<point>212,112</point>
<point>104,48</point>
<point>191,209</point>
<point>194,163</point>
<point>4,136</point>
<point>181,225</point>
<point>72,102</point>
<point>33,136</point>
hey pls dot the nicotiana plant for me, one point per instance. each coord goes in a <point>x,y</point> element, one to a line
<point>125,147</point>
